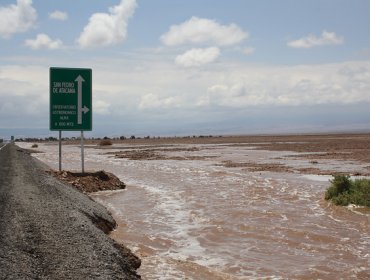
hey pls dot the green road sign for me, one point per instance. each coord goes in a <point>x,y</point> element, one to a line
<point>70,99</point>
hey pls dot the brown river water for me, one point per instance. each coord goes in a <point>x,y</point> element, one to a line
<point>189,216</point>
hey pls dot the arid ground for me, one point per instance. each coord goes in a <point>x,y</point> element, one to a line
<point>316,149</point>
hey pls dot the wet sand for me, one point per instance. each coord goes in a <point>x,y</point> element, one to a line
<point>318,150</point>
<point>338,146</point>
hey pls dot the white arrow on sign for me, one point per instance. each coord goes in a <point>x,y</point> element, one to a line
<point>85,109</point>
<point>79,81</point>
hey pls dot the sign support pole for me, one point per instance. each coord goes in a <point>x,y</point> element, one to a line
<point>60,150</point>
<point>82,153</point>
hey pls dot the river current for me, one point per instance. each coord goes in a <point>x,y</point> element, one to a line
<point>191,216</point>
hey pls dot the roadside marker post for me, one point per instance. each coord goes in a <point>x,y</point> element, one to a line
<point>70,103</point>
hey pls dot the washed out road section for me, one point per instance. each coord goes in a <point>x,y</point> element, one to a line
<point>48,230</point>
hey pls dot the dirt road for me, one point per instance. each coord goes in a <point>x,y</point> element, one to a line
<point>48,230</point>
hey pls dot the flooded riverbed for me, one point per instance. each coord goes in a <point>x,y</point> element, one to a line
<point>206,212</point>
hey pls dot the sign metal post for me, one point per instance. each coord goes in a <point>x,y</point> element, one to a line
<point>60,150</point>
<point>82,153</point>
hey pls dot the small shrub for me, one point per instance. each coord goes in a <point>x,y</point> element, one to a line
<point>339,184</point>
<point>105,142</point>
<point>34,146</point>
<point>342,199</point>
<point>344,191</point>
<point>361,192</point>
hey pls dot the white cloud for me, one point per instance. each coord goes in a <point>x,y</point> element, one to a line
<point>105,29</point>
<point>101,107</point>
<point>203,31</point>
<point>149,88</point>
<point>198,57</point>
<point>43,41</point>
<point>17,18</point>
<point>230,86</point>
<point>327,84</point>
<point>326,38</point>
<point>23,90</point>
<point>58,15</point>
<point>154,101</point>
<point>248,50</point>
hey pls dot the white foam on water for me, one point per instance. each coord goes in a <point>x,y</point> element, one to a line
<point>319,178</point>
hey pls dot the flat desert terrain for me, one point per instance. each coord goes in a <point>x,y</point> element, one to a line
<point>317,151</point>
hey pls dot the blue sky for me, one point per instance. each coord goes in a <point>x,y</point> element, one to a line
<point>174,67</point>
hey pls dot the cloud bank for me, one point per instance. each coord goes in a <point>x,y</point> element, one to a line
<point>17,18</point>
<point>107,29</point>
<point>222,91</point>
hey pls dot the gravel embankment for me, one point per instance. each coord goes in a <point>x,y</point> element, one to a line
<point>49,230</point>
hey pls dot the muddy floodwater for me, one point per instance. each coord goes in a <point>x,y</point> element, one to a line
<point>227,211</point>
